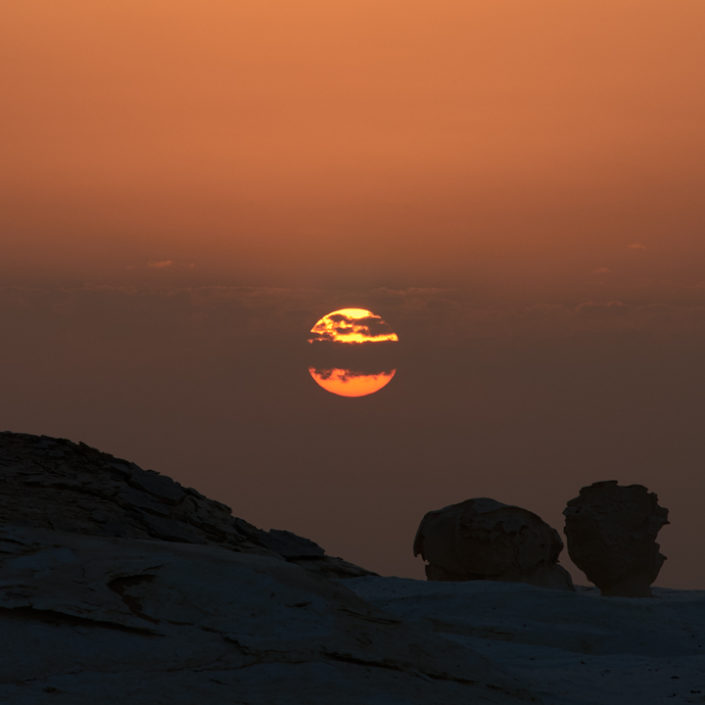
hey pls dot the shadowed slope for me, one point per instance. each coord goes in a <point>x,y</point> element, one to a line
<point>52,483</point>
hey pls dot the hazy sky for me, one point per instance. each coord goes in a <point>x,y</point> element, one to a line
<point>516,187</point>
<point>268,139</point>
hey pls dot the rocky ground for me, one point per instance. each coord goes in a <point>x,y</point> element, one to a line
<point>118,585</point>
<point>567,648</point>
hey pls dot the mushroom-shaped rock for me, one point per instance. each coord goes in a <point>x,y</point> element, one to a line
<point>482,539</point>
<point>611,532</point>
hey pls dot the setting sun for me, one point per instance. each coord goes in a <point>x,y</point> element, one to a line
<point>346,383</point>
<point>352,325</point>
<point>352,347</point>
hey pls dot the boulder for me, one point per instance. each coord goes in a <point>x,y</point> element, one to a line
<point>482,539</point>
<point>611,532</point>
<point>52,483</point>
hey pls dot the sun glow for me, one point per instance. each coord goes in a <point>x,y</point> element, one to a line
<point>350,384</point>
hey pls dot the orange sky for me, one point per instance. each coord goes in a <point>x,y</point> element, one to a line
<point>269,140</point>
<point>516,187</point>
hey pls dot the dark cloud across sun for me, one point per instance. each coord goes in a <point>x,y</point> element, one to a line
<point>352,326</point>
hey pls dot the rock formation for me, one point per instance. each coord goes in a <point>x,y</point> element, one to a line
<point>611,532</point>
<point>482,539</point>
<point>118,585</point>
<point>226,615</point>
<point>52,483</point>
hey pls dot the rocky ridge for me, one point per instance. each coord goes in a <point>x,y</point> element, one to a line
<point>53,483</point>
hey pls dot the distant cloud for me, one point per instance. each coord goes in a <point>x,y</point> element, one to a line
<point>636,246</point>
<point>602,270</point>
<point>345,375</point>
<point>239,317</point>
<point>601,307</point>
<point>162,264</point>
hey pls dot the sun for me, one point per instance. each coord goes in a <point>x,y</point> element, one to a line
<point>352,325</point>
<point>346,383</point>
<point>352,347</point>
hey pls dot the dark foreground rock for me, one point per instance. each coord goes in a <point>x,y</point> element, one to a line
<point>88,619</point>
<point>482,539</point>
<point>119,585</point>
<point>52,483</point>
<point>611,532</point>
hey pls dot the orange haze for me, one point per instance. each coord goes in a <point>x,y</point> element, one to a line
<point>382,138</point>
<point>515,186</point>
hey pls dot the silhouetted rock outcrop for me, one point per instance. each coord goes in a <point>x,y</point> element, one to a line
<point>611,532</point>
<point>52,483</point>
<point>482,539</point>
<point>119,585</point>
